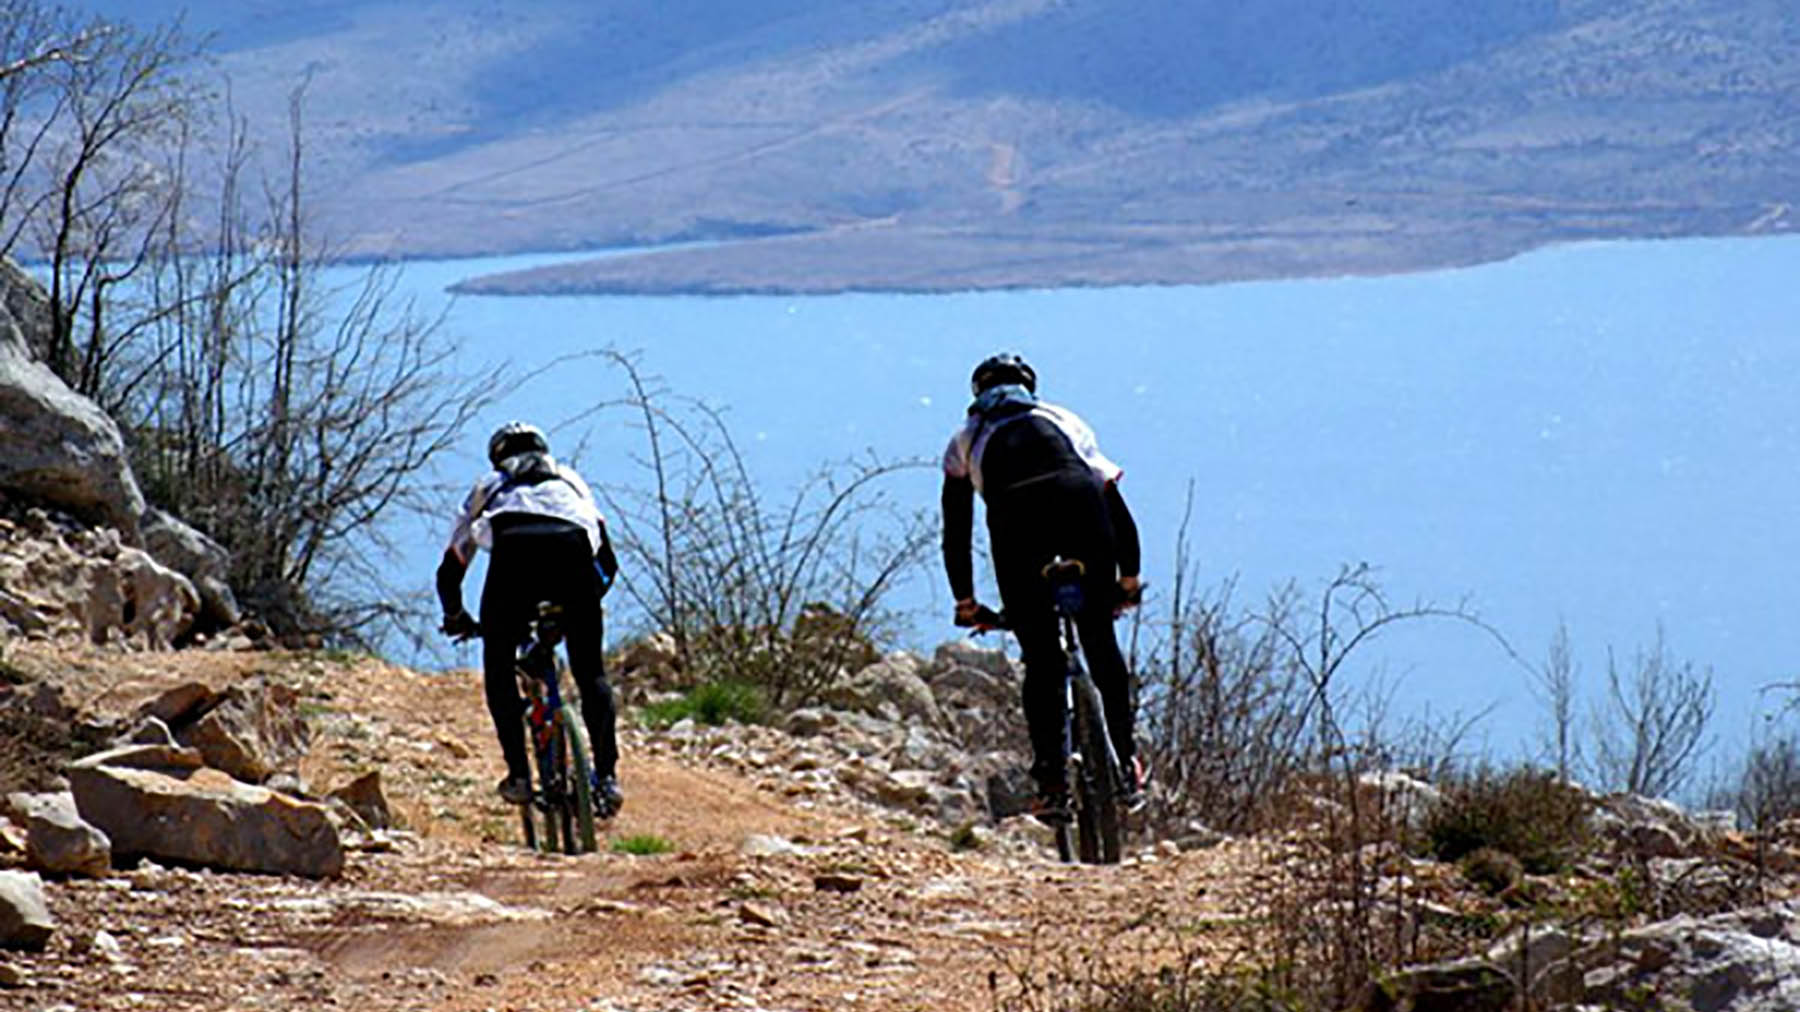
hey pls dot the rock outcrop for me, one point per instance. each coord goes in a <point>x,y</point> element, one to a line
<point>942,738</point>
<point>60,579</point>
<point>60,450</point>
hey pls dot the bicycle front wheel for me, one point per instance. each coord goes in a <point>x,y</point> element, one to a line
<point>578,825</point>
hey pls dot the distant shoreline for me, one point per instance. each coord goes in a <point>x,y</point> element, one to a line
<point>934,263</point>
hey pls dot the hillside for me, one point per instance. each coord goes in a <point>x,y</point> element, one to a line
<point>923,146</point>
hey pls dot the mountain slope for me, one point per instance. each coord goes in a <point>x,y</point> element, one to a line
<point>930,144</point>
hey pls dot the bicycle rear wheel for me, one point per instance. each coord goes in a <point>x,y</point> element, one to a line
<point>1097,815</point>
<point>545,809</point>
<point>528,822</point>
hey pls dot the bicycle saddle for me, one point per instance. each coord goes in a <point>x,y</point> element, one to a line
<point>1065,576</point>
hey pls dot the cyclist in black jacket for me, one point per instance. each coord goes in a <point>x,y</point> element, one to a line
<point>548,542</point>
<point>1049,491</point>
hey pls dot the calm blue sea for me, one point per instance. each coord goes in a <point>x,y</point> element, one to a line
<point>1603,435</point>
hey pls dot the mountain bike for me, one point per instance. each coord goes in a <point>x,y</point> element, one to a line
<point>1094,772</point>
<point>560,814</point>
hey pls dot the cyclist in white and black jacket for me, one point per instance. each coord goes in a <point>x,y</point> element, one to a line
<point>548,542</point>
<point>1049,492</point>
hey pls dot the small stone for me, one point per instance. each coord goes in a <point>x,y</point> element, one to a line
<point>837,882</point>
<point>13,977</point>
<point>12,838</point>
<point>108,947</point>
<point>758,915</point>
<point>25,921</point>
<point>486,980</point>
<point>762,845</point>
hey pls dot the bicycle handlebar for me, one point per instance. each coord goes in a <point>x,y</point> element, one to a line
<point>985,619</point>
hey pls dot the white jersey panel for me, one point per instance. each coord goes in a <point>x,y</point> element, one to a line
<point>565,497</point>
<point>962,458</point>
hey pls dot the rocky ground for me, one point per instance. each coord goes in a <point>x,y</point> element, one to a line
<point>780,879</point>
<point>770,896</point>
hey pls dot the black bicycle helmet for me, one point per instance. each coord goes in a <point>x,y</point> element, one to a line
<point>515,438</point>
<point>1001,369</point>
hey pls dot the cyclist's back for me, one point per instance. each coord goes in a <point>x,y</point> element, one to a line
<point>547,543</point>
<point>1049,493</point>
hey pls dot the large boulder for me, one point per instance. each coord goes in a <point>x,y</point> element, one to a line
<point>27,305</point>
<point>57,446</point>
<point>59,449</point>
<point>25,921</point>
<point>57,841</point>
<point>160,803</point>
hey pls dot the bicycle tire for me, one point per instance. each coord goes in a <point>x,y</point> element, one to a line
<point>580,800</point>
<point>531,812</point>
<point>1097,786</point>
<point>546,806</point>
<point>528,822</point>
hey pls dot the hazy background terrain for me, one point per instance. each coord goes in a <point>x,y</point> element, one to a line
<point>946,144</point>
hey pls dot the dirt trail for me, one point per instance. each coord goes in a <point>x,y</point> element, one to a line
<point>765,901</point>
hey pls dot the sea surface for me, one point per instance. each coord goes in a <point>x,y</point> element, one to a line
<point>1601,435</point>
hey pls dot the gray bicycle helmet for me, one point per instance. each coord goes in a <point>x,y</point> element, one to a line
<point>515,438</point>
<point>1001,369</point>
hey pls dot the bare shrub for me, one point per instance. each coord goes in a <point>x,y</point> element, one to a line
<point>1766,790</point>
<point>1651,728</point>
<point>1254,725</point>
<point>1531,814</point>
<point>787,596</point>
<point>1225,712</point>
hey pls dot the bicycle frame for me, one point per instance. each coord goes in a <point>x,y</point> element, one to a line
<point>1091,760</point>
<point>560,795</point>
<point>1094,768</point>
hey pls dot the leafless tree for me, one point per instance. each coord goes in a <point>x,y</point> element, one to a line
<point>1365,927</point>
<point>276,415</point>
<point>1555,685</point>
<point>1651,728</point>
<point>97,108</point>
